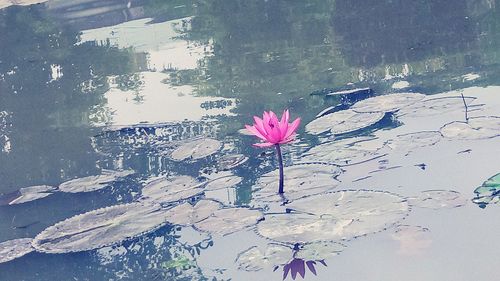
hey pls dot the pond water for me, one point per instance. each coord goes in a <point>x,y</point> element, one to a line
<point>122,154</point>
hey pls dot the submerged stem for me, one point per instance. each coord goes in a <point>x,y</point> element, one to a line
<point>466,108</point>
<point>280,162</point>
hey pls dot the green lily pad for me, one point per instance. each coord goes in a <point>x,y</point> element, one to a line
<point>300,180</point>
<point>13,249</point>
<point>231,161</point>
<point>475,128</point>
<point>99,228</point>
<point>223,182</point>
<point>230,220</point>
<point>387,103</point>
<point>186,214</point>
<point>31,193</point>
<point>438,199</point>
<point>344,121</point>
<point>93,183</point>
<point>436,106</point>
<point>488,192</point>
<point>412,141</point>
<point>196,149</point>
<point>335,216</point>
<point>166,190</point>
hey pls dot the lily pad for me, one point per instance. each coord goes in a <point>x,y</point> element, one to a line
<point>31,193</point>
<point>387,103</point>
<point>226,221</point>
<point>343,121</point>
<point>435,106</point>
<point>165,190</point>
<point>300,180</point>
<point>223,182</point>
<point>476,128</point>
<point>14,249</point>
<point>257,258</point>
<point>93,183</point>
<point>412,141</point>
<point>186,214</point>
<point>196,149</point>
<point>413,240</point>
<point>99,228</point>
<point>335,216</point>
<point>438,199</point>
<point>231,161</point>
<point>345,152</point>
<point>488,192</point>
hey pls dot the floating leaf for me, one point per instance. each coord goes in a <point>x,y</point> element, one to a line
<point>335,216</point>
<point>223,182</point>
<point>476,128</point>
<point>343,121</point>
<point>488,192</point>
<point>13,249</point>
<point>186,214</point>
<point>387,103</point>
<point>412,239</point>
<point>411,141</point>
<point>345,152</point>
<point>435,106</point>
<point>321,250</point>
<point>165,190</point>
<point>300,180</point>
<point>93,183</point>
<point>228,162</point>
<point>99,228</point>
<point>196,149</point>
<point>259,258</point>
<point>438,199</point>
<point>229,220</point>
<point>27,194</point>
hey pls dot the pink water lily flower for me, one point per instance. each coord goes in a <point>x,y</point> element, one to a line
<point>272,130</point>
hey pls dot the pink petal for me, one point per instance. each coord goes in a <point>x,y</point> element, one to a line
<point>292,128</point>
<point>256,132</point>
<point>284,118</point>
<point>259,125</point>
<point>263,144</point>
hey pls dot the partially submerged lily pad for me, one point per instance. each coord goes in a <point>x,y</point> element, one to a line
<point>488,192</point>
<point>187,214</point>
<point>257,258</point>
<point>27,194</point>
<point>335,216</point>
<point>475,128</point>
<point>344,121</point>
<point>436,106</point>
<point>13,249</point>
<point>99,228</point>
<point>165,189</point>
<point>93,183</point>
<point>413,240</point>
<point>196,149</point>
<point>231,161</point>
<point>345,152</point>
<point>411,141</point>
<point>300,180</point>
<point>226,221</point>
<point>223,182</point>
<point>387,103</point>
<point>438,199</point>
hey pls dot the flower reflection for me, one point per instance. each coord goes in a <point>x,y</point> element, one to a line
<point>297,265</point>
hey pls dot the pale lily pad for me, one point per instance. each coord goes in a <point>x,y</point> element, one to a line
<point>196,149</point>
<point>335,216</point>
<point>93,183</point>
<point>476,128</point>
<point>223,182</point>
<point>165,190</point>
<point>436,106</point>
<point>186,214</point>
<point>344,121</point>
<point>228,162</point>
<point>438,199</point>
<point>345,152</point>
<point>412,141</point>
<point>413,240</point>
<point>99,228</point>
<point>387,103</point>
<point>488,192</point>
<point>300,180</point>
<point>226,221</point>
<point>14,249</point>
<point>33,193</point>
<point>258,258</point>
